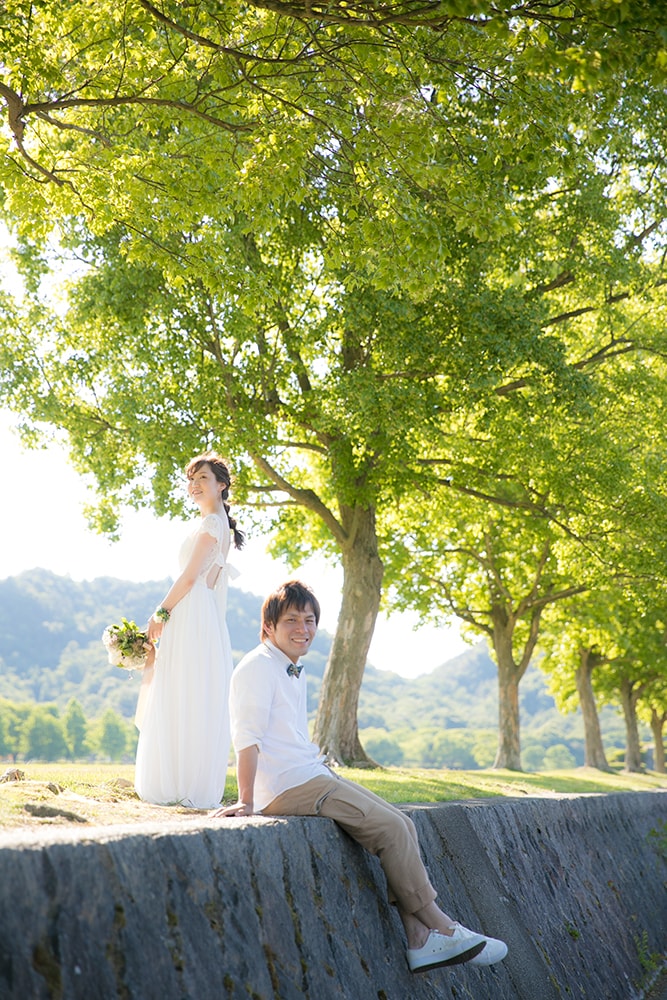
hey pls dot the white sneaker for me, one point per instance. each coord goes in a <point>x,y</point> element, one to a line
<point>494,951</point>
<point>444,949</point>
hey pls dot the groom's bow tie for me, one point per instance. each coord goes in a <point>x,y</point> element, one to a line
<point>294,669</point>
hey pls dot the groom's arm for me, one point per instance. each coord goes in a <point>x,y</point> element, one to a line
<point>246,771</point>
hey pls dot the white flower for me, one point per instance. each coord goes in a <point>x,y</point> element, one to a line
<point>127,646</point>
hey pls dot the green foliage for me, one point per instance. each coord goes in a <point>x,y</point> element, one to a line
<point>43,737</point>
<point>14,719</point>
<point>382,747</point>
<point>557,758</point>
<point>332,311</point>
<point>532,756</point>
<point>439,748</point>
<point>111,735</point>
<point>658,837</point>
<point>76,727</point>
<point>650,961</point>
<point>484,747</point>
<point>128,638</point>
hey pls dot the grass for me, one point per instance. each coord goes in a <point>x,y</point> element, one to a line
<point>398,785</point>
<point>78,795</point>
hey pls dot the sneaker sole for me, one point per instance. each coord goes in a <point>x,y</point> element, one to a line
<point>465,956</point>
<point>491,961</point>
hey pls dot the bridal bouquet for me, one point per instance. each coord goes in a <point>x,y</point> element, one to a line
<point>127,645</point>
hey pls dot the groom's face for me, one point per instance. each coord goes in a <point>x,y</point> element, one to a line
<point>294,632</point>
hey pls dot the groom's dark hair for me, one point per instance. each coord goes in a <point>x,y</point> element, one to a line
<point>292,594</point>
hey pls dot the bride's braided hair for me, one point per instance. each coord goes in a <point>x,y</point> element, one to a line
<point>221,473</point>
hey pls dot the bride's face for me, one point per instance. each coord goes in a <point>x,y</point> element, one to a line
<point>203,487</point>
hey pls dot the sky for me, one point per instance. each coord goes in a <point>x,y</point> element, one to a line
<point>43,526</point>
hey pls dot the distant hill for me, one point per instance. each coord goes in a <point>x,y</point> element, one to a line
<point>51,637</point>
<point>51,651</point>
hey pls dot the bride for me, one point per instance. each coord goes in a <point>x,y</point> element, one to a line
<point>183,714</point>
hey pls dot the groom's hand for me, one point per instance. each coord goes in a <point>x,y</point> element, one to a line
<point>238,809</point>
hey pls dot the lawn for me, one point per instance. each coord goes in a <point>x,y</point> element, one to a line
<point>78,795</point>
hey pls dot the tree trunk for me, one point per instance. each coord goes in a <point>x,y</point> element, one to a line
<point>657,725</point>
<point>509,675</point>
<point>336,728</point>
<point>633,755</point>
<point>594,755</point>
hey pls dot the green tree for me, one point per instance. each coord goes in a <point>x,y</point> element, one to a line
<point>383,748</point>
<point>14,718</point>
<point>635,669</point>
<point>43,737</point>
<point>532,757</point>
<point>588,661</point>
<point>496,571</point>
<point>75,726</point>
<point>112,738</point>
<point>540,500</point>
<point>454,749</point>
<point>630,686</point>
<point>652,709</point>
<point>578,644</point>
<point>433,747</point>
<point>557,757</point>
<point>324,239</point>
<point>484,748</point>
<point>610,649</point>
<point>657,723</point>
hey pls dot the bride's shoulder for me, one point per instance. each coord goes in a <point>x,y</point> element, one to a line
<point>211,524</point>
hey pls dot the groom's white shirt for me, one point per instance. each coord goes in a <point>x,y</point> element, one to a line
<point>268,709</point>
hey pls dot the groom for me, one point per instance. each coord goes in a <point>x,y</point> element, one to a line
<point>281,773</point>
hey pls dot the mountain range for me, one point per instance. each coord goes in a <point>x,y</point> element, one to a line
<point>51,651</point>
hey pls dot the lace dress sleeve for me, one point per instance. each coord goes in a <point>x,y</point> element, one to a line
<point>211,525</point>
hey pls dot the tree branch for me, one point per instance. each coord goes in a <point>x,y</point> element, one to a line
<point>15,113</point>
<point>465,614</point>
<point>408,13</point>
<point>42,107</point>
<point>304,497</point>
<point>205,42</point>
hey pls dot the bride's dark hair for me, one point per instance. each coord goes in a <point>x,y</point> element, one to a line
<point>221,473</point>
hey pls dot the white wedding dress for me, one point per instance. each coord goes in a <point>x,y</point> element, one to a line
<point>183,713</point>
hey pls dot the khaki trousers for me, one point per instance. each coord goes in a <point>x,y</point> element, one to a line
<point>375,824</point>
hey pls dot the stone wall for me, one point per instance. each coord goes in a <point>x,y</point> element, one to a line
<point>279,909</point>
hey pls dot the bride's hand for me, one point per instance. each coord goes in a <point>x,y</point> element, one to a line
<point>154,630</point>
